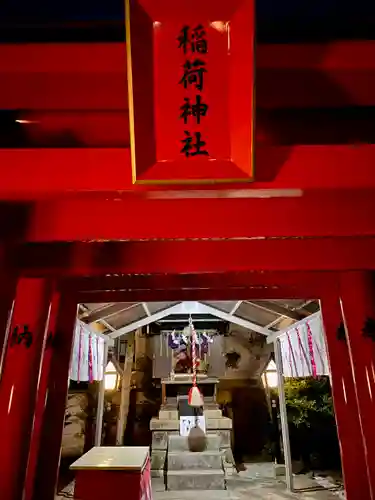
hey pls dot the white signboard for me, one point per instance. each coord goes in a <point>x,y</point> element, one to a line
<point>187,423</point>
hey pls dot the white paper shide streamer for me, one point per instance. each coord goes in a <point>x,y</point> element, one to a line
<point>303,349</point>
<point>87,356</point>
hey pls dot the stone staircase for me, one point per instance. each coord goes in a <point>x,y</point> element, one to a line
<point>188,470</point>
<point>168,424</point>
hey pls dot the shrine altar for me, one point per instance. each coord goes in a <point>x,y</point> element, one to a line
<point>174,407</point>
<point>113,472</point>
<point>176,387</point>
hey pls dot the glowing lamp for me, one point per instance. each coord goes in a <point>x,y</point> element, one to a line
<point>110,377</point>
<point>270,376</point>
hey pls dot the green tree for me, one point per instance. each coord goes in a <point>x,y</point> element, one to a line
<point>309,401</point>
<point>311,419</point>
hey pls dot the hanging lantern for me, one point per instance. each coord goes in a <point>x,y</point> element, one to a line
<point>270,376</point>
<point>111,377</point>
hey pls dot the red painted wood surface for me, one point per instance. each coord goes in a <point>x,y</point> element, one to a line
<point>7,292</point>
<point>99,484</point>
<point>60,81</point>
<point>205,281</point>
<point>41,399</point>
<point>72,128</point>
<point>19,382</point>
<point>208,286</point>
<point>197,256</point>
<point>6,304</point>
<point>47,468</point>
<point>92,58</point>
<point>88,218</point>
<point>52,76</point>
<point>63,76</point>
<point>353,457</point>
<point>164,42</point>
<point>110,129</point>
<point>26,174</point>
<point>242,293</point>
<point>357,299</point>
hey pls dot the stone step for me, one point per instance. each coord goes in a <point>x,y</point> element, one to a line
<point>212,413</point>
<point>211,406</point>
<point>168,415</point>
<point>193,495</point>
<point>180,443</point>
<point>218,423</point>
<point>182,460</point>
<point>195,480</point>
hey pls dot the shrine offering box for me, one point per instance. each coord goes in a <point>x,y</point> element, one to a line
<point>113,472</point>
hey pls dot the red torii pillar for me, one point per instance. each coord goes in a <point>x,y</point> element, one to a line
<point>44,473</point>
<point>353,459</point>
<point>358,309</point>
<point>41,398</point>
<point>6,303</point>
<point>19,380</point>
<point>7,291</point>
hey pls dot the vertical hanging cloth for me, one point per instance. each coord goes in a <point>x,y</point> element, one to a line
<point>303,349</point>
<point>303,356</point>
<point>90,359</point>
<point>319,345</point>
<point>84,364</point>
<point>87,355</point>
<point>100,359</point>
<point>97,357</point>
<point>195,397</point>
<point>80,349</point>
<point>292,359</point>
<point>95,349</point>
<point>75,359</point>
<point>311,350</point>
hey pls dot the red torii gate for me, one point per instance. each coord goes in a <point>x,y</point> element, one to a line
<point>36,300</point>
<point>303,228</point>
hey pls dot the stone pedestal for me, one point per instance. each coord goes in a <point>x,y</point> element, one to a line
<point>162,428</point>
<point>279,471</point>
<point>194,470</point>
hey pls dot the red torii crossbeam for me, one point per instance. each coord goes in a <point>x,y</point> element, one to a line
<point>195,256</point>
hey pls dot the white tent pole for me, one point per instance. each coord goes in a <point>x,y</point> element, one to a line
<point>283,416</point>
<point>100,408</point>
